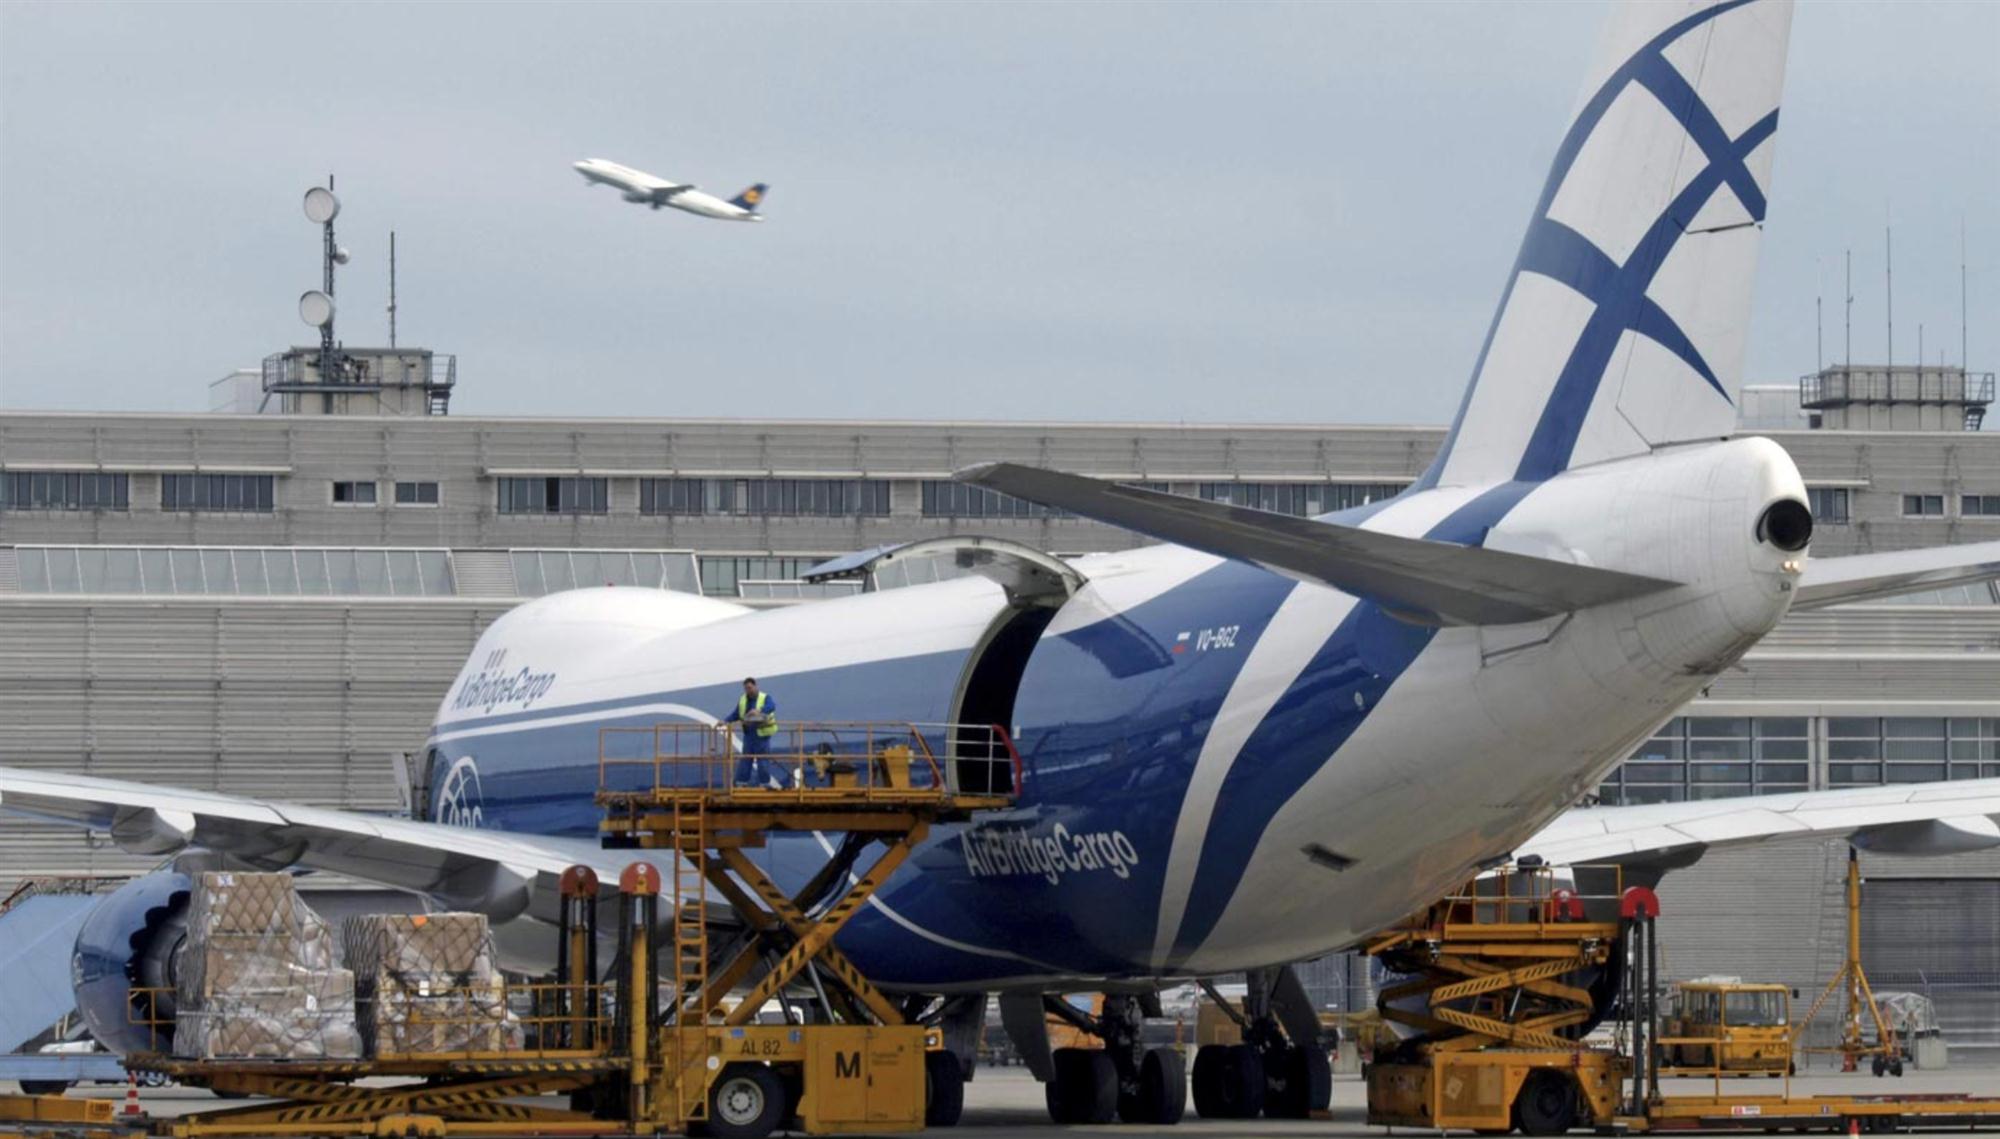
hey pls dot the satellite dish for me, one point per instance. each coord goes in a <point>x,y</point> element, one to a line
<point>340,255</point>
<point>321,206</point>
<point>316,308</point>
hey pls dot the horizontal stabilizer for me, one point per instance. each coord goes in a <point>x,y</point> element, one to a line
<point>1440,583</point>
<point>1835,581</point>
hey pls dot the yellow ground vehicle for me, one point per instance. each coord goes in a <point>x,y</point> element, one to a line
<point>1738,1028</point>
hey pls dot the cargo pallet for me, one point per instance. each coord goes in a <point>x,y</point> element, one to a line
<point>632,1061</point>
<point>1499,968</point>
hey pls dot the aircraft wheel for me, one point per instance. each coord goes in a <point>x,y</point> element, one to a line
<point>1162,1095</point>
<point>1085,1088</point>
<point>1228,1082</point>
<point>1878,1066</point>
<point>748,1102</point>
<point>1300,1082</point>
<point>1896,1067</point>
<point>1546,1104</point>
<point>944,1087</point>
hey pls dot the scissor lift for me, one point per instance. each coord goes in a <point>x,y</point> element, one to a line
<point>1493,995</point>
<point>664,1044</point>
<point>689,790</point>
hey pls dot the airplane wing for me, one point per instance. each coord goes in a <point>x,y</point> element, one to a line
<point>1909,818</point>
<point>491,872</point>
<point>1434,582</point>
<point>506,875</point>
<point>1835,581</point>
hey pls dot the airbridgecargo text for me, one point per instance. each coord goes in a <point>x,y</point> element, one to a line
<point>490,688</point>
<point>994,852</point>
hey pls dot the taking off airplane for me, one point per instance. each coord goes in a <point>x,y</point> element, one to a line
<point>1269,736</point>
<point>639,186</point>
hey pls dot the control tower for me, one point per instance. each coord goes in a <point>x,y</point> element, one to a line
<point>1900,397</point>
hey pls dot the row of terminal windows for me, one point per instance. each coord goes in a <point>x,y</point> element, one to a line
<point>565,495</point>
<point>825,498</point>
<point>1302,499</point>
<point>1831,504</point>
<point>58,490</point>
<point>1714,757</point>
<point>365,492</point>
<point>1969,505</point>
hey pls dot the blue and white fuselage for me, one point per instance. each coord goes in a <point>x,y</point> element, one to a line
<point>1303,770</point>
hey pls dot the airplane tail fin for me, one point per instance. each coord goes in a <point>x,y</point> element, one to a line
<point>751,198</point>
<point>1622,325</point>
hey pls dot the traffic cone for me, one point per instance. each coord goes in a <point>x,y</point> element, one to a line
<point>132,1109</point>
<point>1854,1125</point>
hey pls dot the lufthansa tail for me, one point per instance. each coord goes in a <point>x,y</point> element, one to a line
<point>751,198</point>
<point>1622,325</point>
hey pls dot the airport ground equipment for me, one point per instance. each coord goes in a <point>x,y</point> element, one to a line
<point>666,1043</point>
<point>1885,1052</point>
<point>1750,1022</point>
<point>1493,1051</point>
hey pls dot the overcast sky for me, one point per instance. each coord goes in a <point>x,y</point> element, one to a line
<point>1175,212</point>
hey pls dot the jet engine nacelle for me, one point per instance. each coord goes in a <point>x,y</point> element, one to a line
<point>130,941</point>
<point>637,196</point>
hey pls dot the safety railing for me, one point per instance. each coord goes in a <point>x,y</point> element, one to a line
<point>1722,1049</point>
<point>1531,896</point>
<point>803,761</point>
<point>528,1019</point>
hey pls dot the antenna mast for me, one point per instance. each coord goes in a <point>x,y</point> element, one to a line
<point>1848,325</point>
<point>392,288</point>
<point>1889,293</point>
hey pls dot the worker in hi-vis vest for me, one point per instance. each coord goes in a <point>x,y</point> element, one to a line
<point>758,714</point>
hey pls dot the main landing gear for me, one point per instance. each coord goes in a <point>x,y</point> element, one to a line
<point>1124,1079</point>
<point>1268,1074</point>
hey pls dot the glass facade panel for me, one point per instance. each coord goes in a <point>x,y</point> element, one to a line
<point>312,573</point>
<point>156,574</point>
<point>218,576</point>
<point>240,571</point>
<point>281,571</point>
<point>1849,774</point>
<point>250,577</point>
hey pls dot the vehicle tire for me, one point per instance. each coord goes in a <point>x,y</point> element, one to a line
<point>944,1089</point>
<point>746,1102</point>
<point>1085,1088</point>
<point>1878,1066</point>
<point>1162,1095</point>
<point>44,1087</point>
<point>1896,1067</point>
<point>1546,1104</point>
<point>155,1080</point>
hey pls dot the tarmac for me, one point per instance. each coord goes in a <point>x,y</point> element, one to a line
<point>1006,1103</point>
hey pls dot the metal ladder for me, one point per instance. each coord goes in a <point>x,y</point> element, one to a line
<point>690,953</point>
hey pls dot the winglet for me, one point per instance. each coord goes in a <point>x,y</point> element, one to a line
<point>1430,582</point>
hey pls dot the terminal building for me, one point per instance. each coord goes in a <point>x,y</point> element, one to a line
<point>274,604</point>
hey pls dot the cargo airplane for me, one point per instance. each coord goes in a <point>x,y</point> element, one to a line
<point>1264,738</point>
<point>639,186</point>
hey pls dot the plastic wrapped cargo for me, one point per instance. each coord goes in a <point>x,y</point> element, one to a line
<point>257,978</point>
<point>427,983</point>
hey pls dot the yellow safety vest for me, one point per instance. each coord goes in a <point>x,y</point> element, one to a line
<point>768,727</point>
